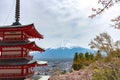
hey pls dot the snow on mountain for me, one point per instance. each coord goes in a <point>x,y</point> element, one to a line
<point>61,53</point>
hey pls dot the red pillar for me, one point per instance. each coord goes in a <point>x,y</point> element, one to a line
<point>22,52</point>
<point>22,72</point>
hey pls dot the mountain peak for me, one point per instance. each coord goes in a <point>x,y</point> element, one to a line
<point>60,53</point>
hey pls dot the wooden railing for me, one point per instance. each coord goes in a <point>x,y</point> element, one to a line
<point>10,56</point>
<point>14,56</point>
<point>15,75</point>
<point>8,75</point>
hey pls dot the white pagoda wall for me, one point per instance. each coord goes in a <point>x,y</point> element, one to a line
<point>15,48</point>
<point>12,35</point>
<point>10,71</point>
<point>15,32</point>
<point>13,51</point>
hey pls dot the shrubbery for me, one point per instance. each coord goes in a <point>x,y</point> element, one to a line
<point>107,70</point>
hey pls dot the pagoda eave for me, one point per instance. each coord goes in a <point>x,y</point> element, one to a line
<point>16,57</point>
<point>27,29</point>
<point>42,63</point>
<point>29,45</point>
<point>31,63</point>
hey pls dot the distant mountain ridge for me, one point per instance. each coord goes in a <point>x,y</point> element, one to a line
<point>61,53</point>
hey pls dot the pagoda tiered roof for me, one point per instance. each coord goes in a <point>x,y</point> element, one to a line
<point>25,44</point>
<point>20,62</point>
<point>27,29</point>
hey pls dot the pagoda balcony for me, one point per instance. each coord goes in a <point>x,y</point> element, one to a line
<point>14,40</point>
<point>20,71</point>
<point>9,75</point>
<point>17,71</point>
<point>16,57</point>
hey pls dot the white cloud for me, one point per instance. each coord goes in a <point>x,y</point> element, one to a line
<point>61,20</point>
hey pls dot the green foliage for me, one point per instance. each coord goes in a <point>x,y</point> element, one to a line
<point>76,57</point>
<point>76,63</point>
<point>81,56</point>
<point>98,56</point>
<point>87,56</point>
<point>107,67</point>
<point>109,70</point>
<point>113,54</point>
<point>82,59</point>
<point>103,74</point>
<point>91,57</point>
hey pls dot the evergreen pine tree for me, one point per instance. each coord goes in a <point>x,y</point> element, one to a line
<point>82,59</point>
<point>87,56</point>
<point>76,62</point>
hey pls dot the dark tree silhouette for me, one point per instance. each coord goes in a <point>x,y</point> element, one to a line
<point>76,62</point>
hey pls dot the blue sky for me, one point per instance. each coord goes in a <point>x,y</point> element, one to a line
<point>64,23</point>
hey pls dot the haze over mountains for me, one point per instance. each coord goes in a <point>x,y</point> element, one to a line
<point>61,53</point>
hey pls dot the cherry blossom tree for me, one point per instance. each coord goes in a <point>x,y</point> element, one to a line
<point>106,4</point>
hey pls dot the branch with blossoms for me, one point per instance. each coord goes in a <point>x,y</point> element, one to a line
<point>106,4</point>
<point>116,22</point>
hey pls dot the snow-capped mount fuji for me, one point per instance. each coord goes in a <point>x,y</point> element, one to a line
<point>62,53</point>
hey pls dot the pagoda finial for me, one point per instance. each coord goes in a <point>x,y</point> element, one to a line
<point>17,13</point>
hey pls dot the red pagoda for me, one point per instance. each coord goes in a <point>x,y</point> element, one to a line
<point>15,61</point>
